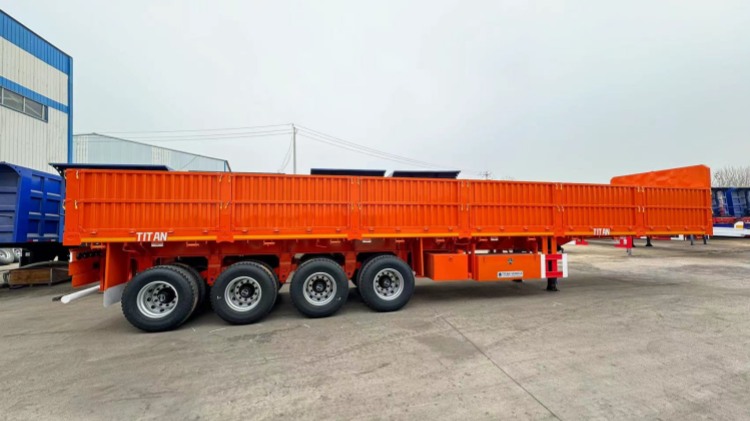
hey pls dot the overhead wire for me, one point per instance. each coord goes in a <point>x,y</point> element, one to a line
<point>365,152</point>
<point>249,132</point>
<point>373,150</point>
<point>355,147</point>
<point>287,157</point>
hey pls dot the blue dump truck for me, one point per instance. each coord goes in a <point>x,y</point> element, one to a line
<point>31,215</point>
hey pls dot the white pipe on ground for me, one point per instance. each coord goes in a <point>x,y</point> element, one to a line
<point>79,294</point>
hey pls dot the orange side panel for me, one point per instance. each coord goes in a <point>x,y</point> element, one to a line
<point>506,267</point>
<point>106,206</point>
<point>696,176</point>
<point>447,266</point>
<point>277,205</point>
<point>589,206</point>
<point>517,207</point>
<point>675,201</point>
<point>121,203</point>
<point>406,205</point>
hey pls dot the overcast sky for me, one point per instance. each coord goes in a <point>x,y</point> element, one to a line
<point>568,91</point>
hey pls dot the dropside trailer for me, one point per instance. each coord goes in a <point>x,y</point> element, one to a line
<point>164,242</point>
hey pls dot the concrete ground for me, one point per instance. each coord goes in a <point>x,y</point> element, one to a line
<point>664,334</point>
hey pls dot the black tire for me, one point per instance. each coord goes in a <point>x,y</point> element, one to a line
<point>273,274</point>
<point>258,280</point>
<point>186,273</point>
<point>177,287</point>
<point>333,284</point>
<point>355,277</point>
<point>394,268</point>
<point>200,283</point>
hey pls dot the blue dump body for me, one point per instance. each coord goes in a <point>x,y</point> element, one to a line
<point>731,201</point>
<point>30,205</point>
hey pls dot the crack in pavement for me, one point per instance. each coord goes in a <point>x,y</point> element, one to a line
<point>499,368</point>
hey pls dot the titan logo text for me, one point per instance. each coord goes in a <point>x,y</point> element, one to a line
<point>152,236</point>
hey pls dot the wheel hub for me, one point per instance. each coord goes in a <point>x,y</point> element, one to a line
<point>388,284</point>
<point>319,289</point>
<point>246,291</point>
<point>243,293</point>
<point>157,299</point>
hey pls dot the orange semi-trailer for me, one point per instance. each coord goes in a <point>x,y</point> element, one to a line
<point>164,242</point>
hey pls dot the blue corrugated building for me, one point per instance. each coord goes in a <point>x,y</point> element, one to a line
<point>36,98</point>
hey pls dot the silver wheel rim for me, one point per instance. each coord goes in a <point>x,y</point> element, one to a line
<point>243,293</point>
<point>157,299</point>
<point>388,284</point>
<point>319,289</point>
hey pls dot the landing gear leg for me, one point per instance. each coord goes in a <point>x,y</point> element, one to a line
<point>552,284</point>
<point>648,242</point>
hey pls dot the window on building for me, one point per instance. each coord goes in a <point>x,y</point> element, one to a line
<point>22,104</point>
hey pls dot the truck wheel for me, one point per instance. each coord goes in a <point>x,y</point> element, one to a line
<point>355,277</point>
<point>158,299</point>
<point>244,293</point>
<point>271,272</point>
<point>319,287</point>
<point>386,283</point>
<point>200,283</point>
<point>6,256</point>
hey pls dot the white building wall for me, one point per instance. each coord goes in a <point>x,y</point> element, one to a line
<point>33,143</point>
<point>24,69</point>
<point>100,149</point>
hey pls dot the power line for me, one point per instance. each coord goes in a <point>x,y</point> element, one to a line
<point>287,156</point>
<point>365,152</point>
<point>355,147</point>
<point>373,150</point>
<point>249,132</point>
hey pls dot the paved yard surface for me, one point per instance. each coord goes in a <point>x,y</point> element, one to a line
<point>663,334</point>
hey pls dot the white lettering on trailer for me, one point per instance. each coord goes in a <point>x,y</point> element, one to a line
<point>157,237</point>
<point>510,274</point>
<point>601,232</point>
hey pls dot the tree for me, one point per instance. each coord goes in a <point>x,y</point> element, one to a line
<point>731,177</point>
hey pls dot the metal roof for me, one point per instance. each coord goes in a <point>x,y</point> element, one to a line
<point>345,171</point>
<point>426,174</point>
<point>61,167</point>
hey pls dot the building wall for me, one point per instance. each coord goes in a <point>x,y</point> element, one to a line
<point>95,148</point>
<point>36,70</point>
<point>33,143</point>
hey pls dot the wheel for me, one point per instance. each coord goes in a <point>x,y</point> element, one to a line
<point>319,287</point>
<point>244,293</point>
<point>386,283</point>
<point>271,272</point>
<point>17,255</point>
<point>200,283</point>
<point>6,256</point>
<point>158,299</point>
<point>355,277</point>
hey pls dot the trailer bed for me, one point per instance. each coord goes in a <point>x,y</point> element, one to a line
<point>122,206</point>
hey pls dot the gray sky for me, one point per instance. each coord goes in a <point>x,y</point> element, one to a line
<point>562,91</point>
